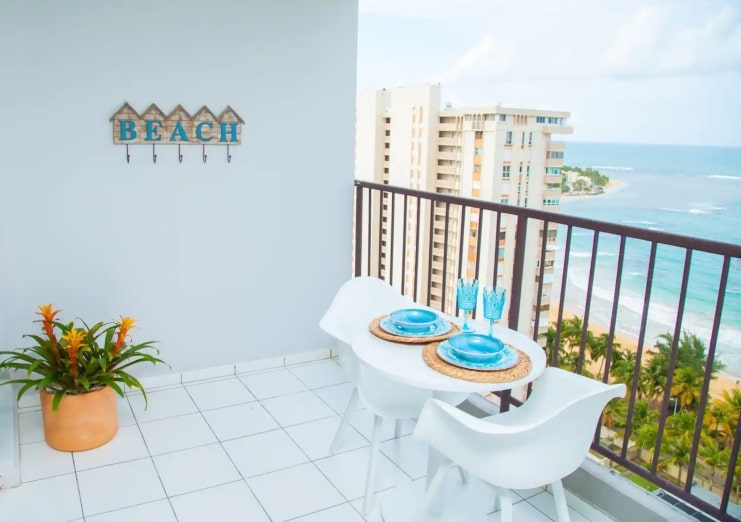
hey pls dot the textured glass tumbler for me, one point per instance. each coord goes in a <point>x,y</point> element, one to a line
<point>467,293</point>
<point>494,304</point>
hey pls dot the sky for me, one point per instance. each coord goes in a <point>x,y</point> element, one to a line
<point>632,71</point>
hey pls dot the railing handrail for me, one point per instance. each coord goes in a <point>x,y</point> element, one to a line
<point>668,238</point>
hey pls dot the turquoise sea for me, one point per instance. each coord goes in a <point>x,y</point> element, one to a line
<point>689,190</point>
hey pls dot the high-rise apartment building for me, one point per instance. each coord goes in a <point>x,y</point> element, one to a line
<point>504,155</point>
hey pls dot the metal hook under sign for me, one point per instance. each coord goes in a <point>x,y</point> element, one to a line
<point>128,156</point>
<point>204,154</point>
<point>180,156</point>
<point>154,155</point>
<point>228,156</point>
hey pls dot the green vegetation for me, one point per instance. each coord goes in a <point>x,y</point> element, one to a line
<point>598,180</point>
<point>718,423</point>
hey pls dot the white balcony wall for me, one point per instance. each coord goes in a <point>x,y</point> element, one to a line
<point>221,262</point>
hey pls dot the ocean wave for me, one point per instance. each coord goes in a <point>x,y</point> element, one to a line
<point>610,167</point>
<point>657,229</point>
<point>721,176</point>
<point>686,211</point>
<point>589,254</point>
<point>639,222</point>
<point>662,316</point>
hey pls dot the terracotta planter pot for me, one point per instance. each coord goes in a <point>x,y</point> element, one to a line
<point>81,422</point>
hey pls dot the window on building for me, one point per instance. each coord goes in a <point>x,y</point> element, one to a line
<point>468,117</point>
<point>520,169</point>
<point>388,132</point>
<point>502,117</point>
<point>528,171</point>
<point>508,140</point>
<point>550,202</point>
<point>500,252</point>
<point>502,235</point>
<point>479,135</point>
<point>505,171</point>
<point>504,201</point>
<point>523,138</point>
<point>530,140</point>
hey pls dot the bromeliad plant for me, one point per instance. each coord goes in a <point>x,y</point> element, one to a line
<point>67,360</point>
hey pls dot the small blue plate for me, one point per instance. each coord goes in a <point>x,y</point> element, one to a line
<point>476,347</point>
<point>506,360</point>
<point>413,319</point>
<point>439,327</point>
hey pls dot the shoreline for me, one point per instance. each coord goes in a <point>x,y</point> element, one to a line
<point>612,185</point>
<point>722,382</point>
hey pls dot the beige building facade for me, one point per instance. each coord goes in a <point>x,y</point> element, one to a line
<point>503,155</point>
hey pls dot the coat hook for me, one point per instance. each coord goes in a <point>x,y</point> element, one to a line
<point>228,156</point>
<point>204,154</point>
<point>154,155</point>
<point>180,156</point>
<point>128,156</point>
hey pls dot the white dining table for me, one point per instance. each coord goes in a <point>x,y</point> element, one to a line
<point>404,363</point>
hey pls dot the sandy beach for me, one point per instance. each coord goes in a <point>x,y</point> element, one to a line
<point>717,386</point>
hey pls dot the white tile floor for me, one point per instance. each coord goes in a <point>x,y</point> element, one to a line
<point>246,448</point>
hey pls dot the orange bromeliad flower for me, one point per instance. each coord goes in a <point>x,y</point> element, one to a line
<point>49,314</point>
<point>74,339</point>
<point>126,324</point>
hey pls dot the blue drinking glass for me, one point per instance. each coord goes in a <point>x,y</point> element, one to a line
<point>494,298</point>
<point>467,294</point>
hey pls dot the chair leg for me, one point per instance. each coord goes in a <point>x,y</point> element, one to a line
<point>372,462</point>
<point>432,503</point>
<point>505,504</point>
<point>397,428</point>
<point>344,421</point>
<point>560,497</point>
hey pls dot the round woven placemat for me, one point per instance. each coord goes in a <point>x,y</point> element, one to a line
<point>518,371</point>
<point>375,328</point>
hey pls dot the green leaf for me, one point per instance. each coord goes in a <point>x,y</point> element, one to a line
<point>57,399</point>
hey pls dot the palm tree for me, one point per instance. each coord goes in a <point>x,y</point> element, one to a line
<point>623,369</point>
<point>615,413</point>
<point>713,455</point>
<point>645,438</point>
<point>653,378</point>
<point>718,422</point>
<point>680,451</point>
<point>730,400</point>
<point>572,331</point>
<point>687,387</point>
<point>598,349</point>
<point>550,339</point>
<point>643,414</point>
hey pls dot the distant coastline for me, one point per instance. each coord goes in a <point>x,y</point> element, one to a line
<point>613,184</point>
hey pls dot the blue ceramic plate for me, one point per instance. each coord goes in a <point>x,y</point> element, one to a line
<point>476,347</point>
<point>507,359</point>
<point>439,327</point>
<point>414,319</point>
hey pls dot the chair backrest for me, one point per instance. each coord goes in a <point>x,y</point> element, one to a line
<point>545,439</point>
<point>389,398</point>
<point>356,303</point>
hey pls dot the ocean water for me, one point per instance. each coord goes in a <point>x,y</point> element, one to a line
<point>694,191</point>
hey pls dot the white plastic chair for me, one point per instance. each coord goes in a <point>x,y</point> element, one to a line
<point>356,303</point>
<point>385,399</point>
<point>539,443</point>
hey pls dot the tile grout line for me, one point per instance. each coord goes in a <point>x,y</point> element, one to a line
<point>221,445</point>
<point>151,458</point>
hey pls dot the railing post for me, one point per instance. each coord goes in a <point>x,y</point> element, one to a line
<point>518,266</point>
<point>358,229</point>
